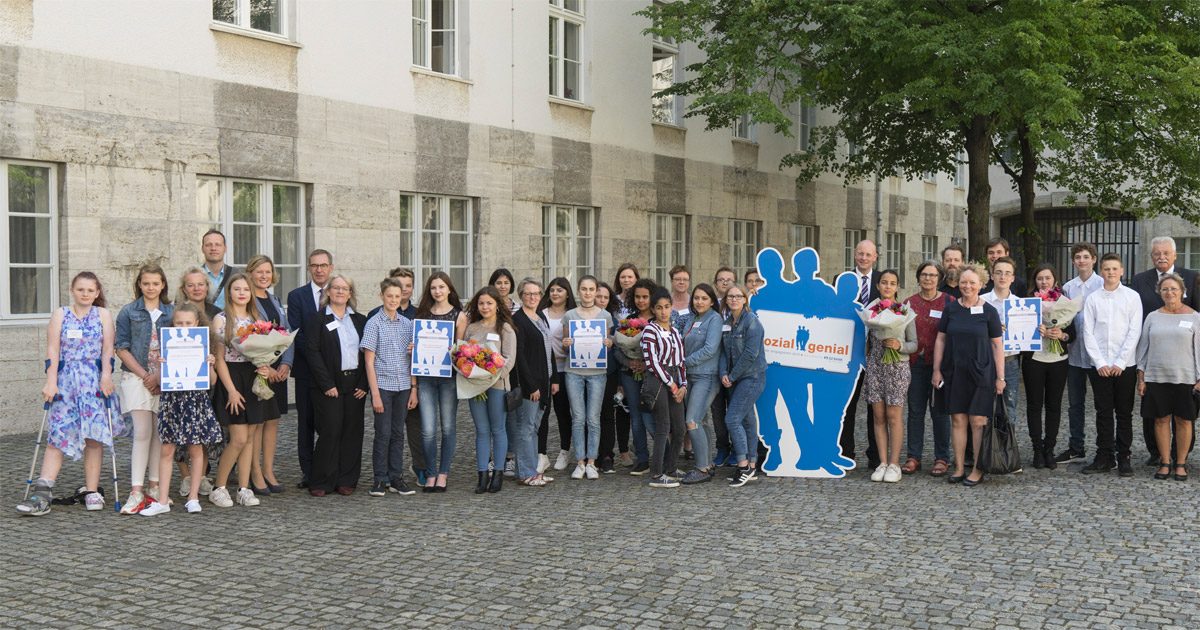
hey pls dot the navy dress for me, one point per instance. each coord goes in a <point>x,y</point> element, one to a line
<point>968,363</point>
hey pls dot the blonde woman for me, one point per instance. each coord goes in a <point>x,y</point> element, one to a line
<point>263,276</point>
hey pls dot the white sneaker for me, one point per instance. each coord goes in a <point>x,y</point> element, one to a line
<point>543,463</point>
<point>892,474</point>
<point>155,508</point>
<point>879,472</point>
<point>245,496</point>
<point>578,472</point>
<point>133,504</point>
<point>192,507</point>
<point>564,458</point>
<point>153,493</point>
<point>591,472</point>
<point>185,486</point>
<point>510,468</point>
<point>220,497</point>
<point>93,501</point>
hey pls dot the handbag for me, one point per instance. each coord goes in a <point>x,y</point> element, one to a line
<point>514,396</point>
<point>998,454</point>
<point>652,388</point>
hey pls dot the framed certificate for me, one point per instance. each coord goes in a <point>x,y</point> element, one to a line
<point>431,348</point>
<point>185,359</point>
<point>1021,318</point>
<point>587,344</point>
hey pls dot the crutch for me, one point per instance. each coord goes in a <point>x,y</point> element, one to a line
<point>37,445</point>
<point>112,451</point>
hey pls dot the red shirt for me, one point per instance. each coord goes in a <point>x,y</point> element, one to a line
<point>927,325</point>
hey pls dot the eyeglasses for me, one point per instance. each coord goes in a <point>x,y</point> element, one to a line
<point>724,280</point>
<point>531,293</point>
<point>734,296</point>
<point>928,275</point>
<point>338,289</point>
<point>320,266</point>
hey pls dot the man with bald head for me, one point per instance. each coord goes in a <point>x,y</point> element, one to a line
<point>865,255</point>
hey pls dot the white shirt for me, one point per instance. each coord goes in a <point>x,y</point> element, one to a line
<point>1077,289</point>
<point>998,304</point>
<point>1112,322</point>
<point>316,292</point>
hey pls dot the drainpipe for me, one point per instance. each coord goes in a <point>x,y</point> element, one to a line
<point>878,212</point>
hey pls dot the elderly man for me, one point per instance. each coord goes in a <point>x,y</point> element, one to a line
<point>1162,254</point>
<point>865,255</point>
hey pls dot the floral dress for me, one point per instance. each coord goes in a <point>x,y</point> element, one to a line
<point>886,383</point>
<point>187,418</point>
<point>79,413</point>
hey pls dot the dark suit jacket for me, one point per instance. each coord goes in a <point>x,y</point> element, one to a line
<point>323,351</point>
<point>1146,285</point>
<point>300,306</point>
<point>874,294</point>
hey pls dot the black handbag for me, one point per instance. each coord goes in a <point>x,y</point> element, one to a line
<point>648,396</point>
<point>998,454</point>
<point>513,397</point>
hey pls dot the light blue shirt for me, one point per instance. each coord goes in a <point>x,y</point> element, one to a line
<point>347,338</point>
<point>214,280</point>
<point>1080,289</point>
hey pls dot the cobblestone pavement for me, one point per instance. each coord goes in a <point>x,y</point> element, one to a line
<point>1038,549</point>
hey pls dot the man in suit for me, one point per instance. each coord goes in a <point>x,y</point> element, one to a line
<point>303,302</point>
<point>1162,254</point>
<point>212,244</point>
<point>998,248</point>
<point>865,255</point>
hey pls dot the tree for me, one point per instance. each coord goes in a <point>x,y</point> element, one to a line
<point>913,82</point>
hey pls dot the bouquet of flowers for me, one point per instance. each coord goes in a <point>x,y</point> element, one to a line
<point>888,319</point>
<point>478,368</point>
<point>1057,311</point>
<point>262,343</point>
<point>629,339</point>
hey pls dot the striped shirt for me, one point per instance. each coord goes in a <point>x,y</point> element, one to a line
<point>663,349</point>
<point>389,340</point>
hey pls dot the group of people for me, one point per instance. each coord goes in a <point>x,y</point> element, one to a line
<point>686,364</point>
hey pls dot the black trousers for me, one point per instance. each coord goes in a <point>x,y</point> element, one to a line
<point>337,455</point>
<point>412,431</point>
<point>669,430</point>
<point>1114,404</point>
<point>614,422</point>
<point>719,404</point>
<point>847,440</point>
<point>305,433</point>
<point>562,411</point>
<point>1044,386</point>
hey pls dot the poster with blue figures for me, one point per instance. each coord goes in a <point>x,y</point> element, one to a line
<point>184,354</point>
<point>431,348</point>
<point>1021,318</point>
<point>814,343</point>
<point>588,351</point>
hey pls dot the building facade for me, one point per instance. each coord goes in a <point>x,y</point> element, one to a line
<point>436,134</point>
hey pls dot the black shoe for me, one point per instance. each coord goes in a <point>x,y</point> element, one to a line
<point>378,489</point>
<point>401,488</point>
<point>1098,466</point>
<point>1178,468</point>
<point>1048,459</point>
<point>971,484</point>
<point>428,489</point>
<point>1039,458</point>
<point>262,492</point>
<point>1163,476</point>
<point>497,481</point>
<point>1125,467</point>
<point>953,479</point>
<point>640,469</point>
<point>606,467</point>
<point>303,485</point>
<point>1069,456</point>
<point>482,485</point>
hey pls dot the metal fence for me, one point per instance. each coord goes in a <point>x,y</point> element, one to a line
<point>1063,227</point>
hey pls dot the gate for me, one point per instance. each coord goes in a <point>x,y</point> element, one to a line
<point>1063,227</point>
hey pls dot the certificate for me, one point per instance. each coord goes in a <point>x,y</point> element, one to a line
<point>587,344</point>
<point>185,359</point>
<point>431,348</point>
<point>1021,318</point>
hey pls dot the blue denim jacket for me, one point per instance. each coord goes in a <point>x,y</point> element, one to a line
<point>134,329</point>
<point>742,353</point>
<point>289,354</point>
<point>701,342</point>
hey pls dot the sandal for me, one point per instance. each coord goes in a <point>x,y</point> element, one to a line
<point>535,482</point>
<point>940,468</point>
<point>1184,476</point>
<point>1163,475</point>
<point>911,466</point>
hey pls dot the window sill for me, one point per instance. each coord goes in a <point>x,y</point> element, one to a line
<point>555,100</point>
<point>31,320</point>
<point>666,125</point>
<point>438,75</point>
<point>253,34</point>
<point>745,141</point>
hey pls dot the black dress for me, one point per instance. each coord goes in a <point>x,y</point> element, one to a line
<point>279,402</point>
<point>968,362</point>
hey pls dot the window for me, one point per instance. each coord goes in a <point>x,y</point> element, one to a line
<point>256,15</point>
<point>664,63</point>
<point>437,234</point>
<point>805,236</point>
<point>929,248</point>
<point>668,245</point>
<point>960,170</point>
<point>743,128</point>
<point>258,217</point>
<point>28,239</point>
<point>852,239</point>
<point>1188,250</point>
<point>566,49</point>
<point>435,41</point>
<point>568,241</point>
<point>807,119</point>
<point>893,257</point>
<point>743,245</point>
<point>929,177</point>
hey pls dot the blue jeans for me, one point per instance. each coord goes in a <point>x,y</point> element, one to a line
<point>920,399</point>
<point>642,422</point>
<point>439,405</point>
<point>586,394</point>
<point>387,452</point>
<point>491,434</point>
<point>740,418</point>
<point>702,388</point>
<point>1012,386</point>
<point>522,432</point>
<point>1077,384</point>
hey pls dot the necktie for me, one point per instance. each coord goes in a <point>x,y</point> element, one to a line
<point>864,289</point>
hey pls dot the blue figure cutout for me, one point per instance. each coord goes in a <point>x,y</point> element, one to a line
<point>814,400</point>
<point>801,338</point>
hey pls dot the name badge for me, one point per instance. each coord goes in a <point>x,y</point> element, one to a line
<point>682,311</point>
<point>935,314</point>
<point>726,328</point>
<point>333,325</point>
<point>78,334</point>
<point>695,325</point>
<point>977,310</point>
<point>493,337</point>
<point>1186,323</point>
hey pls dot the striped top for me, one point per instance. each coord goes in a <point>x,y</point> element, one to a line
<point>663,349</point>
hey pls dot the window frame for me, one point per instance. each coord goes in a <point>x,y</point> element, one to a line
<point>894,256</point>
<point>427,31</point>
<point>660,268</point>
<point>930,254</point>
<point>557,50</point>
<point>1188,252</point>
<point>851,237</point>
<point>415,231</point>
<point>6,264</point>
<point>243,20</point>
<point>550,263</point>
<point>806,121</point>
<point>750,129</point>
<point>266,224</point>
<point>736,247</point>
<point>665,47</point>
<point>795,231</point>
<point>960,170</point>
